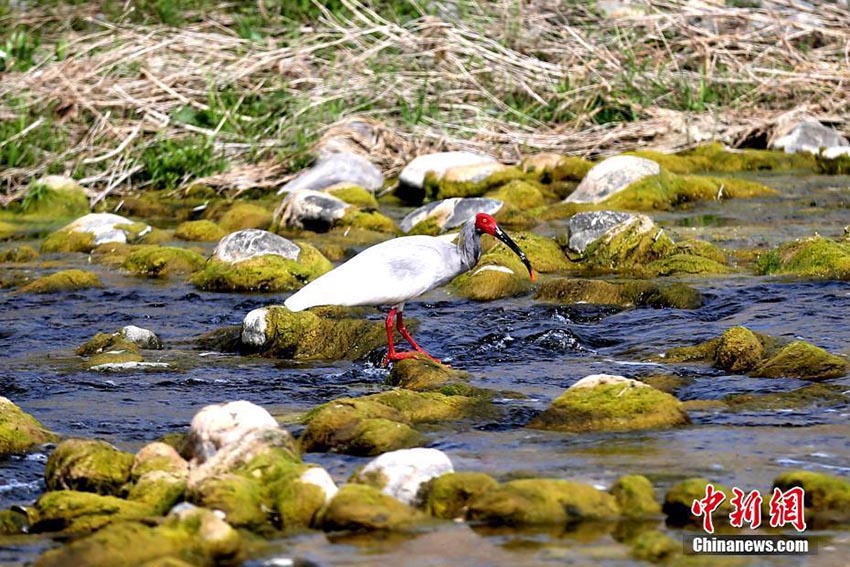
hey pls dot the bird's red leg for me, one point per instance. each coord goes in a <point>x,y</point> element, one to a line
<point>392,354</point>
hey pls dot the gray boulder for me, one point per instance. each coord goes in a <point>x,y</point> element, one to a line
<point>611,176</point>
<point>413,174</point>
<point>450,213</point>
<point>585,228</point>
<point>311,210</point>
<point>809,135</point>
<point>333,168</point>
<point>250,243</point>
<point>143,338</point>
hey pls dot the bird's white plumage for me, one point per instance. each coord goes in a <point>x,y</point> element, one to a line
<point>388,273</point>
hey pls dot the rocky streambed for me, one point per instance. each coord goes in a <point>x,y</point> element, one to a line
<point>687,327</point>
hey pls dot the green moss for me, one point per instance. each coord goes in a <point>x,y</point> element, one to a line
<point>812,395</point>
<point>538,501</point>
<point>666,191</point>
<point>446,188</point>
<point>66,241</point>
<point>519,194</point>
<point>800,359</point>
<point>55,197</point>
<point>355,195</point>
<point>80,512</point>
<point>103,342</point>
<point>623,294</point>
<point>606,407</point>
<point>827,496</point>
<point>18,254</point>
<point>635,496</point>
<point>739,350</point>
<point>680,497</point>
<point>496,276</point>
<point>306,335</point>
<point>19,431</point>
<point>240,498</point>
<point>678,264</point>
<point>656,547</point>
<point>13,523</point>
<point>369,220</point>
<point>199,231</point>
<point>428,227</point>
<point>158,490</point>
<point>359,507</point>
<point>447,496</point>
<point>425,407</point>
<point>297,505</point>
<point>375,436</point>
<point>544,253</point>
<point>263,273</point>
<point>833,166</point>
<point>423,374</point>
<point>87,465</point>
<point>815,257</point>
<point>714,157</point>
<point>571,168</point>
<point>163,261</point>
<point>197,538</point>
<point>245,215</point>
<point>66,280</point>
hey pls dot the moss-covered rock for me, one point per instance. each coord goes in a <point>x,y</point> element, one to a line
<point>715,157</point>
<point>199,231</point>
<point>55,196</point>
<point>494,176</point>
<point>635,496</point>
<point>802,360</point>
<point>656,547</point>
<point>163,261</point>
<point>815,257</point>
<point>827,496</point>
<point>245,215</point>
<point>18,254</point>
<point>368,220</point>
<point>78,512</point>
<point>263,273</point>
<point>680,497</point>
<point>627,293</point>
<point>298,504</point>
<point>836,164</point>
<point>602,403</point>
<point>447,496</point>
<point>106,348</point>
<point>813,395</point>
<point>741,350</point>
<point>539,501</point>
<point>544,253</point>
<point>354,195</point>
<point>196,536</point>
<point>13,522</point>
<point>359,507</point>
<point>62,241</point>
<point>91,230</point>
<point>666,191</point>
<point>423,374</point>
<point>277,331</point>
<point>240,498</point>
<point>87,465</point>
<point>519,194</point>
<point>65,280</point>
<point>158,490</point>
<point>19,431</point>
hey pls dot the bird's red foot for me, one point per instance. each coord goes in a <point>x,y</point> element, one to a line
<point>395,356</point>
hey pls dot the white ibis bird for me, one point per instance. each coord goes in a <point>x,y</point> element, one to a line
<point>395,271</point>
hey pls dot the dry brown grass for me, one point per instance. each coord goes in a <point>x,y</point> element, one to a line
<point>509,79</point>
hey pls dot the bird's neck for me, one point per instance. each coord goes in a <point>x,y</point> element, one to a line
<point>469,246</point>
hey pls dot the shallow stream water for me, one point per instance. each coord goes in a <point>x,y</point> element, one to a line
<point>513,345</point>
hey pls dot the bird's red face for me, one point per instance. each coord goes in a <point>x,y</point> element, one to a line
<point>486,224</point>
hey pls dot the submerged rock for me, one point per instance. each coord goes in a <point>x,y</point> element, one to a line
<point>542,501</point>
<point>740,350</point>
<point>66,280</point>
<point>603,402</point>
<point>402,473</point>
<point>334,168</point>
<point>277,331</point>
<point>813,395</point>
<point>87,465</point>
<point>680,497</point>
<point>19,431</point>
<point>827,496</point>
<point>629,293</point>
<point>258,260</point>
<point>92,230</point>
<point>612,176</point>
<point>448,496</point>
<point>358,507</point>
<point>815,257</point>
<point>445,214</point>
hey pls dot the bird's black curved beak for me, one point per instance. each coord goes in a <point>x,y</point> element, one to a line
<point>503,236</point>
